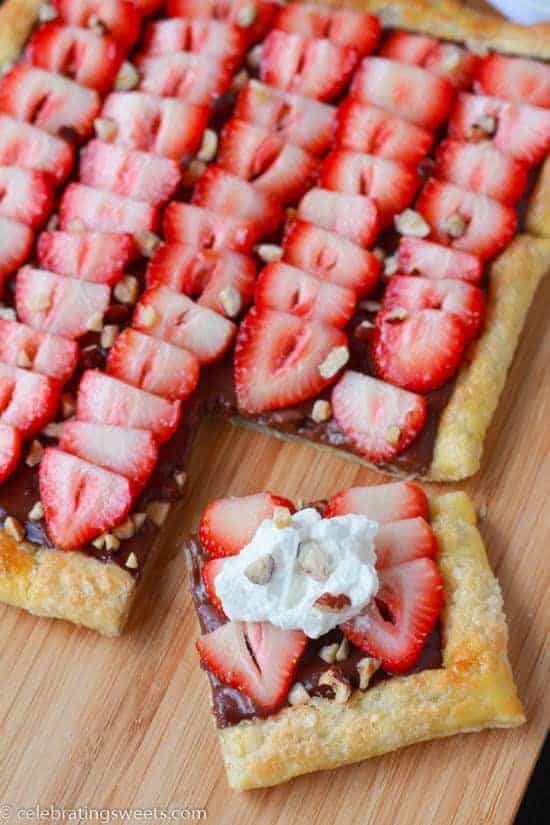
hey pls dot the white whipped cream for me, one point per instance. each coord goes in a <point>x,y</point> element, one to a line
<point>287,598</point>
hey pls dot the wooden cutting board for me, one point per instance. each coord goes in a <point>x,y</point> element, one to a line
<point>86,721</point>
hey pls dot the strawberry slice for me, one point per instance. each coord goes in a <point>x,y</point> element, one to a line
<point>389,183</point>
<point>404,90</point>
<point>80,500</point>
<point>49,101</point>
<point>331,257</point>
<point>49,355</point>
<point>210,570</point>
<point>278,359</point>
<point>209,230</point>
<point>365,128</point>
<point>229,524</point>
<point>56,304</point>
<point>229,195</point>
<point>383,503</point>
<point>26,146</point>
<point>445,59</point>
<point>176,319</point>
<point>118,17</point>
<point>344,27</point>
<point>292,290</point>
<point>103,211</point>
<point>16,242</point>
<point>168,127</point>
<point>299,65</point>
<point>481,168</point>
<point>128,452</point>
<point>417,256</point>
<point>28,401</point>
<point>396,625</point>
<point>106,400</point>
<point>401,541</point>
<point>236,12</point>
<point>10,450</point>
<point>282,171</point>
<point>257,658</point>
<point>196,78</point>
<point>353,216</point>
<point>488,226</point>
<point>138,175</point>
<point>153,365</point>
<point>26,196</point>
<point>148,6</point>
<point>298,120</point>
<point>98,257</point>
<point>381,420</point>
<point>212,37</point>
<point>516,79</point>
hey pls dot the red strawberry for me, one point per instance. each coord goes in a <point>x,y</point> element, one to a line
<point>209,230</point>
<point>229,195</point>
<point>103,211</point>
<point>98,257</point>
<point>381,502</point>
<point>229,524</point>
<point>237,13</point>
<point>118,17</point>
<point>49,101</point>
<point>167,127</point>
<point>488,225</point>
<point>31,148</point>
<point>80,500</point>
<point>28,401</point>
<point>417,256</point>
<point>395,627</point>
<point>257,658</point>
<point>56,304</point>
<point>10,450</point>
<point>280,170</point>
<point>278,359</point>
<point>353,216</point>
<point>344,27</point>
<point>196,78</point>
<point>389,183</point>
<point>128,452</point>
<point>292,290</point>
<point>210,570</point>
<point>138,175</point>
<point>16,242</point>
<point>445,59</point>
<point>298,120</point>
<point>153,365</point>
<point>481,168</point>
<point>49,355</point>
<point>405,540</point>
<point>366,128</point>
<point>213,37</point>
<point>403,90</point>
<point>148,6</point>
<point>178,320</point>
<point>105,400</point>
<point>299,65</point>
<point>26,196</point>
<point>331,257</point>
<point>515,79</point>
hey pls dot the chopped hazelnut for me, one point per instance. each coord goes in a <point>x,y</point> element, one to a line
<point>230,299</point>
<point>412,223</point>
<point>334,362</point>
<point>338,683</point>
<point>181,479</point>
<point>99,542</point>
<point>125,530</point>
<point>486,124</point>
<point>313,560</point>
<point>240,80</point>
<point>393,435</point>
<point>328,653</point>
<point>366,669</point>
<point>158,511</point>
<point>298,695</point>
<point>139,520</point>
<point>146,242</point>
<point>322,411</point>
<point>95,322</point>
<point>451,57</point>
<point>127,77</point>
<point>148,316</point>
<point>269,252</point>
<point>111,543</point>
<point>68,405</point>
<point>47,12</point>
<point>53,430</point>
<point>363,330</point>
<point>209,146</point>
<point>282,517</point>
<point>36,512</point>
<point>261,570</point>
<point>109,336</point>
<point>35,455</point>
<point>23,360</point>
<point>105,129</point>
<point>343,651</point>
<point>132,562</point>
<point>254,56</point>
<point>247,15</point>
<point>391,266</point>
<point>127,290</point>
<point>14,529</point>
<point>455,225</point>
<point>329,603</point>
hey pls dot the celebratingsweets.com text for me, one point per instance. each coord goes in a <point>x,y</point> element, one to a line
<point>85,813</point>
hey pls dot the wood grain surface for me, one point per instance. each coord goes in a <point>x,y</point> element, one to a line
<point>86,721</point>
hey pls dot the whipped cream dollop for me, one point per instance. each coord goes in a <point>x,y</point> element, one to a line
<point>311,575</point>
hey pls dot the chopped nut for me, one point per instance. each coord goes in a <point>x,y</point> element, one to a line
<point>412,223</point>
<point>393,435</point>
<point>483,510</point>
<point>391,265</point>
<point>148,316</point>
<point>125,530</point>
<point>209,146</point>
<point>181,479</point>
<point>111,542</point>
<point>105,128</point>
<point>395,315</point>
<point>7,313</point>
<point>455,225</point>
<point>35,455</point>
<point>247,15</point>
<point>322,411</point>
<point>53,430</point>
<point>363,330</point>
<point>76,225</point>
<point>68,405</point>
<point>146,242</point>
<point>196,169</point>
<point>127,77</point>
<point>379,253</point>
<point>14,529</point>
<point>95,322</point>
<point>158,511</point>
<point>47,12</point>
<point>261,570</point>
<point>23,360</point>
<point>230,299</point>
<point>269,252</point>
<point>333,363</point>
<point>451,57</point>
<point>366,669</point>
<point>139,520</point>
<point>109,336</point>
<point>99,542</point>
<point>338,683</point>
<point>313,560</point>
<point>329,603</point>
<point>486,124</point>
<point>328,653</point>
<point>240,80</point>
<point>298,695</point>
<point>370,306</point>
<point>40,301</point>
<point>254,56</point>
<point>127,290</point>
<point>343,651</point>
<point>282,517</point>
<point>132,562</point>
<point>36,512</point>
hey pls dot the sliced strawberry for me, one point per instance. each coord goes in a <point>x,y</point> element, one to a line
<point>10,450</point>
<point>210,570</point>
<point>420,257</point>
<point>176,319</point>
<point>229,195</point>
<point>213,37</point>
<point>167,127</point>
<point>229,524</point>
<point>404,90</point>
<point>26,146</point>
<point>26,196</point>
<point>353,216</point>
<point>280,170</point>
<point>253,26</point>
<point>481,168</point>
<point>106,400</point>
<point>344,27</point>
<point>381,502</point>
<point>292,290</point>
<point>489,226</point>
<point>299,65</point>
<point>395,627</point>
<point>445,59</point>
<point>153,365</point>
<point>129,452</point>
<point>148,6</point>
<point>365,128</point>
<point>56,304</point>
<point>515,79</point>
<point>117,17</point>
<point>138,175</point>
<point>98,257</point>
<point>298,120</point>
<point>80,500</point>
<point>16,242</point>
<point>208,229</point>
<point>405,540</point>
<point>28,401</point>
<point>49,355</point>
<point>381,420</point>
<point>331,257</point>
<point>196,78</point>
<point>278,359</point>
<point>103,211</point>
<point>49,101</point>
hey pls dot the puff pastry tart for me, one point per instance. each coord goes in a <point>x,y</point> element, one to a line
<point>345,258</point>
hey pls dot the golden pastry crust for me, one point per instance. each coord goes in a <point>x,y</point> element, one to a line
<point>538,212</point>
<point>473,690</point>
<point>17,17</point>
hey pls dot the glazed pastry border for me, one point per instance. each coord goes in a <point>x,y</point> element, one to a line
<point>473,690</point>
<point>17,17</point>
